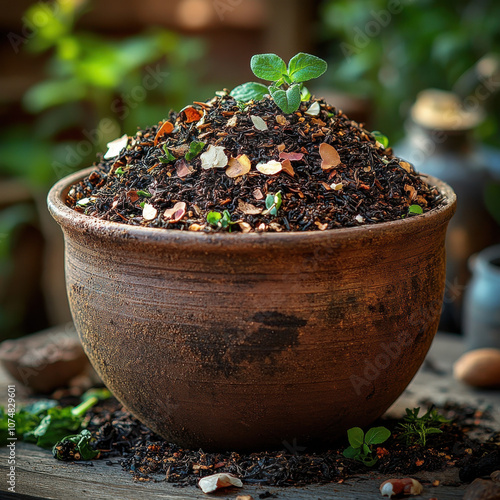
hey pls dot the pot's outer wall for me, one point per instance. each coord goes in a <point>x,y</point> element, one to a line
<point>247,341</point>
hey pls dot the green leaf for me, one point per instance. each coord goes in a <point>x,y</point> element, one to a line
<point>366,449</point>
<point>355,435</point>
<point>273,202</point>
<point>168,155</point>
<point>305,95</point>
<point>378,136</point>
<point>415,210</point>
<point>195,148</point>
<point>226,219</point>
<point>377,435</point>
<point>287,100</point>
<point>433,430</point>
<point>351,452</point>
<point>368,461</point>
<point>303,67</point>
<point>119,171</point>
<point>144,193</point>
<point>269,67</point>
<point>250,91</point>
<point>75,447</point>
<point>213,218</point>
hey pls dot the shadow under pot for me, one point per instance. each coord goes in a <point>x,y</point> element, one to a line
<point>482,301</point>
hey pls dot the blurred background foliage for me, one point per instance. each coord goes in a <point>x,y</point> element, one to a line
<point>390,50</point>
<point>98,70</point>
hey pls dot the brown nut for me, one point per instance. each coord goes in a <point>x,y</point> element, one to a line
<point>479,368</point>
<point>395,487</point>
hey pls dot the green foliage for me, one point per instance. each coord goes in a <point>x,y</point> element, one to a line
<point>415,210</point>
<point>75,447</point>
<point>273,203</point>
<point>286,88</point>
<point>380,138</point>
<point>415,429</point>
<point>169,157</point>
<point>389,51</point>
<point>195,148</point>
<point>144,193</point>
<point>360,448</point>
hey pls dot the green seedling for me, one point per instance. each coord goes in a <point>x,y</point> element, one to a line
<point>273,203</point>
<point>415,210</point>
<point>378,136</point>
<point>218,219</point>
<point>361,444</point>
<point>169,157</point>
<point>415,429</point>
<point>195,148</point>
<point>286,89</point>
<point>146,194</point>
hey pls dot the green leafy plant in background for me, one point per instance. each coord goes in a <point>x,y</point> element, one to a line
<point>286,89</point>
<point>415,429</point>
<point>361,444</point>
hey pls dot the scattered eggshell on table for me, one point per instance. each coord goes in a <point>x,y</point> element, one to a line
<point>212,483</point>
<point>479,368</point>
<point>394,487</point>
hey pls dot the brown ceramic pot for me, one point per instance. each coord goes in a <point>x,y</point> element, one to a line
<point>245,341</point>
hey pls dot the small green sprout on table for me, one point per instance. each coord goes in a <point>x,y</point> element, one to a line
<point>361,444</point>
<point>286,89</point>
<point>415,429</point>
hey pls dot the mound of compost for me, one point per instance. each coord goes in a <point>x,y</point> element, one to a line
<point>259,169</point>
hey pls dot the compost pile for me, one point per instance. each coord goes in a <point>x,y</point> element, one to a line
<point>148,457</point>
<point>226,166</point>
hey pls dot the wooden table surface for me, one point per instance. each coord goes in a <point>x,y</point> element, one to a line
<point>38,475</point>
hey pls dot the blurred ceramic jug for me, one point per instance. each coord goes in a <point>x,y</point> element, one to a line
<point>482,301</point>
<point>439,142</point>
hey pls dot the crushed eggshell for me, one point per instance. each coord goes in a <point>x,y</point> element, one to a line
<point>176,213</point>
<point>258,122</point>
<point>232,122</point>
<point>329,156</point>
<point>213,157</point>
<point>149,212</point>
<point>336,186</point>
<point>240,165</point>
<point>270,168</point>
<point>212,483</point>
<point>248,208</point>
<point>183,168</point>
<point>291,156</point>
<point>314,109</point>
<point>406,486</point>
<point>359,218</point>
<point>115,147</point>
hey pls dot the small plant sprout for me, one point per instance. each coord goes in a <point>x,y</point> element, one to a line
<point>381,138</point>
<point>222,220</point>
<point>273,203</point>
<point>360,448</point>
<point>415,210</point>
<point>169,157</point>
<point>195,148</point>
<point>287,82</point>
<point>416,429</point>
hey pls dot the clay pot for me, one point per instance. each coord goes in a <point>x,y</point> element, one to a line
<point>245,341</point>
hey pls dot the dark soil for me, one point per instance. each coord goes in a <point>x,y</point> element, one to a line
<point>367,184</point>
<point>150,458</point>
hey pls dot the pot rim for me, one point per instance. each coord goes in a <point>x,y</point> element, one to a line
<point>68,218</point>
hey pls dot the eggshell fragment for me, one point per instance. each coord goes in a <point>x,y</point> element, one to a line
<point>479,368</point>
<point>212,483</point>
<point>394,487</point>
